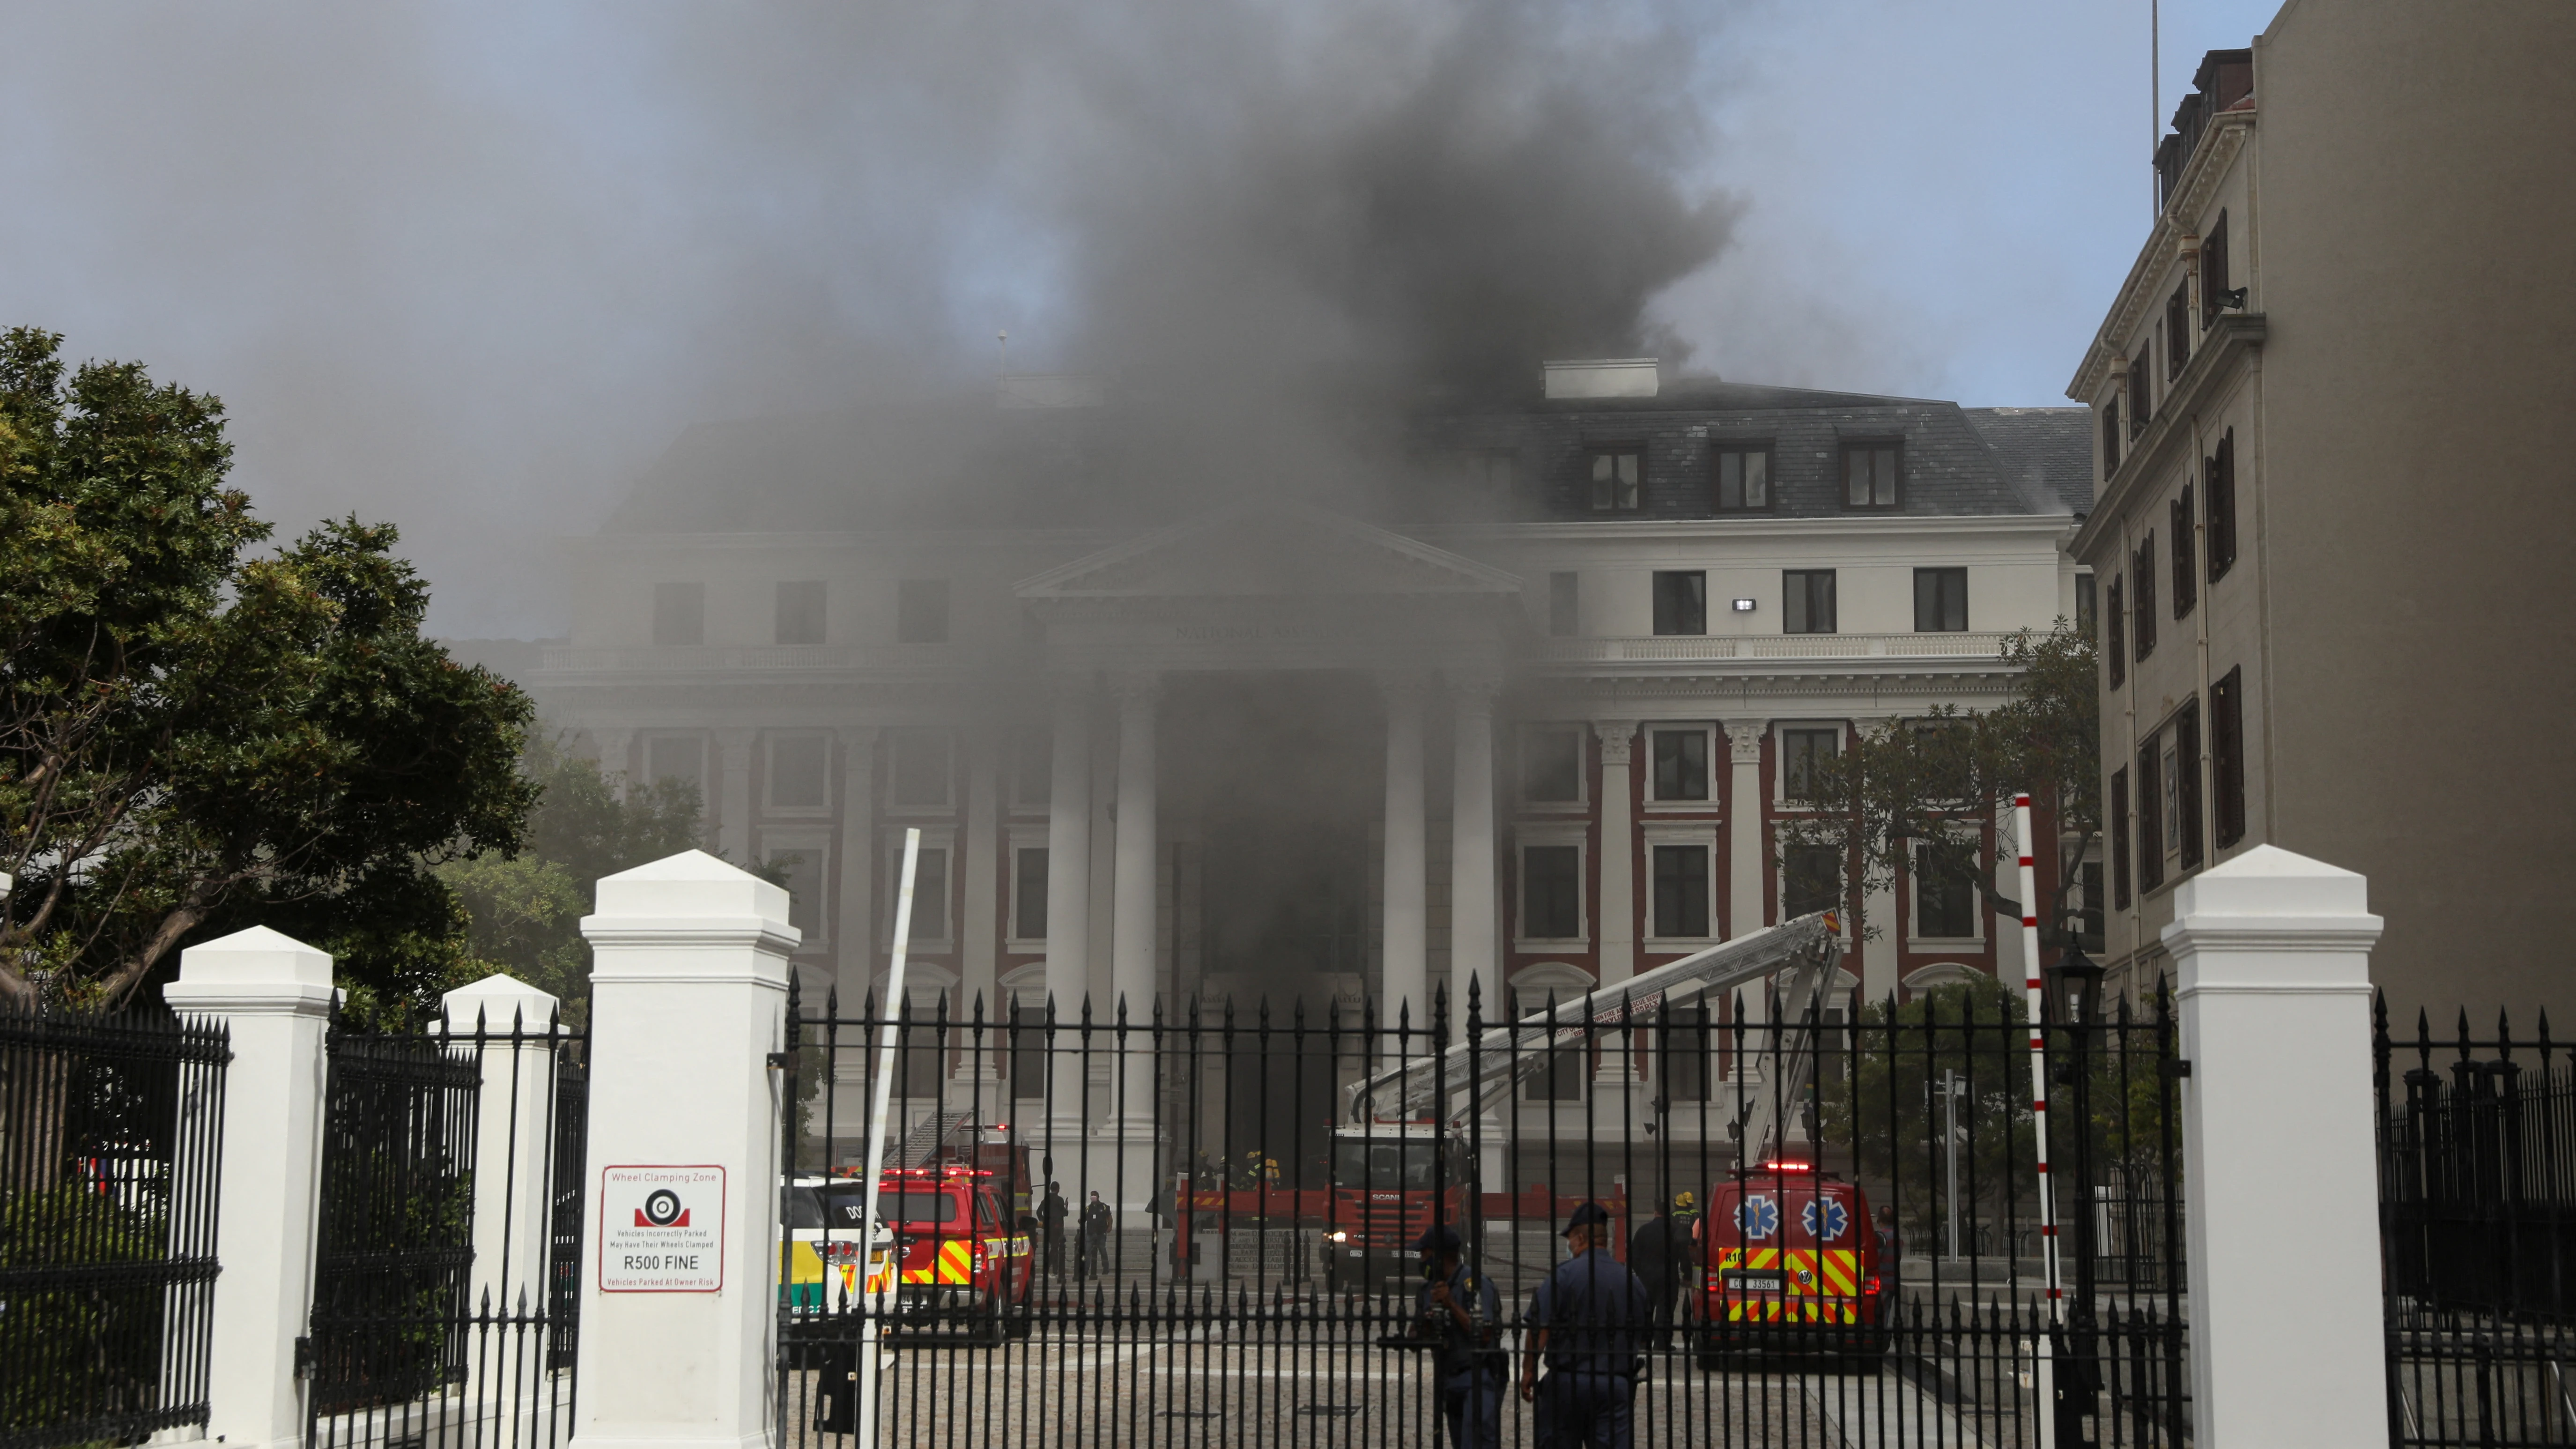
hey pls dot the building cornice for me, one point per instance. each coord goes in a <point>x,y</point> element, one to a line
<point>2227,135</point>
<point>2229,339</point>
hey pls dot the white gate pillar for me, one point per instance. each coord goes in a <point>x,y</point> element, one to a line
<point>678,1313</point>
<point>512,1025</point>
<point>273,994</point>
<point>2272,957</point>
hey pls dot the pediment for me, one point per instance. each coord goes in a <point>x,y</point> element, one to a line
<point>1270,550</point>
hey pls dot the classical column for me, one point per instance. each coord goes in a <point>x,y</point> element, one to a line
<point>979,935</point>
<point>1746,854</point>
<point>856,929</point>
<point>1404,978</point>
<point>733,795</point>
<point>616,753</point>
<point>1473,917</point>
<point>1617,928</point>
<point>1131,930</point>
<point>1068,965</point>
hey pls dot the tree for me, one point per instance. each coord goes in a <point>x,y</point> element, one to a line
<point>1889,1107</point>
<point>1915,797</point>
<point>193,740</point>
<point>526,910</point>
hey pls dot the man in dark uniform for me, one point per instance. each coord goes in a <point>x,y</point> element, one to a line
<point>1662,1253</point>
<point>1588,1322</point>
<point>1464,1312</point>
<point>1052,1211</point>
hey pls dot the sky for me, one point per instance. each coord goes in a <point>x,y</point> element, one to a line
<point>472,267</point>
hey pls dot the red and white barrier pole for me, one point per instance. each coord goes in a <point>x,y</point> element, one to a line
<point>2034,993</point>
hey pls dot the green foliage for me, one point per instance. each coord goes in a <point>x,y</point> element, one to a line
<point>192,740</point>
<point>525,910</point>
<point>76,1354</point>
<point>1888,1104</point>
<point>1915,794</point>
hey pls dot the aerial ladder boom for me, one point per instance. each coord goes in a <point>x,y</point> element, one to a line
<point>1804,952</point>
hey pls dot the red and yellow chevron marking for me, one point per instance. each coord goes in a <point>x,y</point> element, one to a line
<point>954,1264</point>
<point>1817,1286</point>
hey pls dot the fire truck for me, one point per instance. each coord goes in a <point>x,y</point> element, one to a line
<point>1793,1261</point>
<point>1390,1183</point>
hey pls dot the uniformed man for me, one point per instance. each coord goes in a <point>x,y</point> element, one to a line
<point>1588,1321</point>
<point>1663,1254</point>
<point>1463,1311</point>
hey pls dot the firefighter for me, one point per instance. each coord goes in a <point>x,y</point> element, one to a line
<point>1052,1211</point>
<point>1662,1253</point>
<point>1462,1310</point>
<point>1587,1322</point>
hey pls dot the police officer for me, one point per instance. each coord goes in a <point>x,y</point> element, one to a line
<point>1588,1321</point>
<point>1463,1311</point>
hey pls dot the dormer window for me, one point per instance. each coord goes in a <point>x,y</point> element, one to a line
<point>1743,478</point>
<point>1618,478</point>
<point>1870,474</point>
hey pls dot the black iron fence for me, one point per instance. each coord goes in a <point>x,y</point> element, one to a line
<point>437,1320</point>
<point>1200,1226</point>
<point>110,1162</point>
<point>2477,1188</point>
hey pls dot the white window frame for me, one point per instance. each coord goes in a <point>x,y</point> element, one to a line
<point>894,769</point>
<point>1020,803</point>
<point>1710,739</point>
<point>1777,870</point>
<point>817,843</point>
<point>1780,757</point>
<point>769,773</point>
<point>1567,834</point>
<point>1914,938</point>
<point>1529,989</point>
<point>1705,837</point>
<point>1582,732</point>
<point>933,837</point>
<point>1021,837</point>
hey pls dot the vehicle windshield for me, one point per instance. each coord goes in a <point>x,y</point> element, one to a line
<point>1387,1166</point>
<point>844,1206</point>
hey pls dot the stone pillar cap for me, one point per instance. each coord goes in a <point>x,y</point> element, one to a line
<point>692,883</point>
<point>255,957</point>
<point>2269,882</point>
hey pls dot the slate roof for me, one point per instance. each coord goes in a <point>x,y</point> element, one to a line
<point>967,464</point>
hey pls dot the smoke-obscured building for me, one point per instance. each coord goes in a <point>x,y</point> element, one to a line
<point>2333,432</point>
<point>1531,718</point>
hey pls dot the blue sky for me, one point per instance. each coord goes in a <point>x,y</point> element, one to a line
<point>471,267</point>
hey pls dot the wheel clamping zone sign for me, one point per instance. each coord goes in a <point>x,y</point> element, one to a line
<point>661,1229</point>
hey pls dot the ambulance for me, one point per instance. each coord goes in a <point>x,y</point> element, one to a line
<point>821,1278</point>
<point>964,1260</point>
<point>1793,1262</point>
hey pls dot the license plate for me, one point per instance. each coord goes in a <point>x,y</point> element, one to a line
<point>1756,1282</point>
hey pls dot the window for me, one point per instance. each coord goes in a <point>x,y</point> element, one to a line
<point>1028,1051</point>
<point>800,612</point>
<point>1561,1080</point>
<point>1681,891</point>
<point>1683,1046</point>
<point>2120,839</point>
<point>1551,892</point>
<point>1564,604</point>
<point>803,877</point>
<point>920,1055</point>
<point>2222,507</point>
<point>2115,648</point>
<point>2084,604</point>
<point>2088,913</point>
<point>2227,753</point>
<point>2110,437</point>
<point>1945,901</point>
<point>918,774</point>
<point>1801,750</point>
<point>1486,475</point>
<point>2186,768</point>
<point>680,759</point>
<point>1033,770</point>
<point>679,614</point>
<point>1811,880</point>
<point>1869,475</point>
<point>1617,476</point>
<point>2186,575</point>
<point>2151,840</point>
<point>2213,271</point>
<point>799,772</point>
<point>2142,575</point>
<point>2141,405</point>
<point>1029,893</point>
<point>1940,601</point>
<point>1552,765</point>
<point>1681,764</point>
<point>921,611</point>
<point>929,891</point>
<point>1807,601</point>
<point>1681,602</point>
<point>1743,479</point>
<point>2178,329</point>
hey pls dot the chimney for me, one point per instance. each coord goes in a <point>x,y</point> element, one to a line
<point>1601,377</point>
